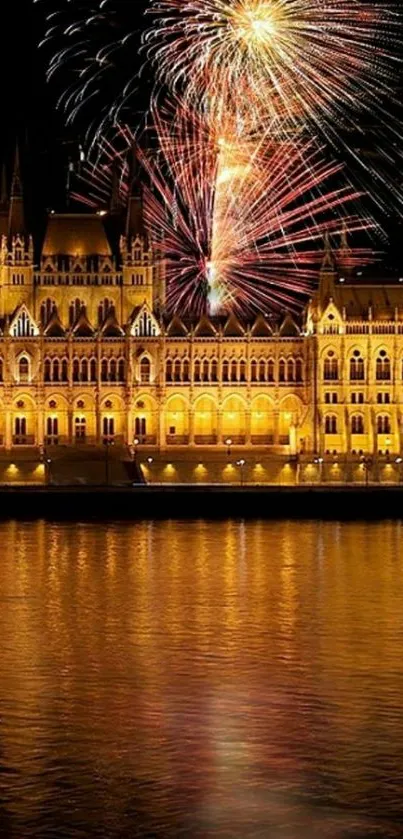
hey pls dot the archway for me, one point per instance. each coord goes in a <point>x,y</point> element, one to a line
<point>205,421</point>
<point>234,420</point>
<point>177,421</point>
<point>262,421</point>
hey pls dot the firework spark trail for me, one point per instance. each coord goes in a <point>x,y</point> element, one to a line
<point>247,224</point>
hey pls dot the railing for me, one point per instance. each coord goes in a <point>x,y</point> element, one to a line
<point>177,439</point>
<point>236,439</point>
<point>23,440</point>
<point>146,439</point>
<point>205,439</point>
<point>284,440</point>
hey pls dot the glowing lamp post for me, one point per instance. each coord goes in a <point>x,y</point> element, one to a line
<point>241,464</point>
<point>228,444</point>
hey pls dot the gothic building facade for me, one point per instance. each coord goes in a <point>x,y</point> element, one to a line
<point>88,356</point>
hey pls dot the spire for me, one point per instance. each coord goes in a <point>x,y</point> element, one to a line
<point>16,217</point>
<point>135,208</point>
<point>328,263</point>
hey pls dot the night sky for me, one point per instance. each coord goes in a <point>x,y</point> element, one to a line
<point>30,114</point>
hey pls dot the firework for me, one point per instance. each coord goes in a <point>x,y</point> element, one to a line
<point>318,59</point>
<point>240,222</point>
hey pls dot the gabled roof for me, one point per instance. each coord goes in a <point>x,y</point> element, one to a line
<point>205,328</point>
<point>111,328</point>
<point>75,234</point>
<point>55,328</point>
<point>261,328</point>
<point>82,327</point>
<point>144,324</point>
<point>233,328</point>
<point>289,328</point>
<point>30,325</point>
<point>176,328</point>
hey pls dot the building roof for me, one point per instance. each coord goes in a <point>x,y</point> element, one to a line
<point>75,234</point>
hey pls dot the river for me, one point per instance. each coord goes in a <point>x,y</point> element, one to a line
<point>201,679</point>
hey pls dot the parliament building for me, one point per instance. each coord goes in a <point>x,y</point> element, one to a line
<point>89,356</point>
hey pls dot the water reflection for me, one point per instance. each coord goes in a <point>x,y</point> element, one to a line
<point>201,679</point>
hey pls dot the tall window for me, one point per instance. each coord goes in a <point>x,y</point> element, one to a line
<point>56,370</point>
<point>298,370</point>
<point>20,428</point>
<point>121,370</point>
<point>291,370</point>
<point>52,428</point>
<point>205,370</point>
<point>47,370</point>
<point>357,424</point>
<point>270,370</point>
<point>145,370</point>
<point>23,327</point>
<point>177,370</point>
<point>65,370</point>
<point>383,424</point>
<point>48,308</point>
<point>76,370</point>
<point>225,371</point>
<point>104,370</point>
<point>253,370</point>
<point>93,370</point>
<point>234,371</point>
<point>197,370</point>
<point>214,370</point>
<point>75,309</point>
<point>357,372</point>
<point>331,424</point>
<point>168,370</point>
<point>80,428</point>
<point>112,370</point>
<point>281,370</point>
<point>105,309</point>
<point>108,427</point>
<point>262,370</point>
<point>186,370</point>
<point>145,326</point>
<point>23,369</point>
<point>331,367</point>
<point>383,367</point>
<point>242,371</point>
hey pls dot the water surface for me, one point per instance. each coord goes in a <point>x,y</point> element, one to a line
<point>195,679</point>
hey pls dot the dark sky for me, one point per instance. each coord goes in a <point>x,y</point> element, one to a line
<point>29,110</point>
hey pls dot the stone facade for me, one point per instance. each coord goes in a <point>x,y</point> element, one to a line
<point>88,356</point>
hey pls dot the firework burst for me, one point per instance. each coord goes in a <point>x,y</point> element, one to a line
<point>240,222</point>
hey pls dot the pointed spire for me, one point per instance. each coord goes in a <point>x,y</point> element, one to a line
<point>328,263</point>
<point>16,217</point>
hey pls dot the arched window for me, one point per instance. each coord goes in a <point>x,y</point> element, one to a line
<point>168,370</point>
<point>234,371</point>
<point>281,370</point>
<point>185,370</point>
<point>291,370</point>
<point>65,370</point>
<point>93,370</point>
<point>205,370</point>
<point>104,370</point>
<point>262,370</point>
<point>23,369</point>
<point>242,370</point>
<point>331,424</point>
<point>113,370</point>
<point>331,367</point>
<point>357,424</point>
<point>76,370</point>
<point>75,309</point>
<point>47,370</point>
<point>357,372</point>
<point>56,370</point>
<point>383,425</point>
<point>214,370</point>
<point>197,370</point>
<point>20,429</point>
<point>270,370</point>
<point>225,371</point>
<point>48,307</point>
<point>145,370</point>
<point>298,370</point>
<point>105,309</point>
<point>121,370</point>
<point>177,370</point>
<point>253,370</point>
<point>84,370</point>
<point>383,367</point>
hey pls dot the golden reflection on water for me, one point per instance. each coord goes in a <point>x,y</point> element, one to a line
<point>201,679</point>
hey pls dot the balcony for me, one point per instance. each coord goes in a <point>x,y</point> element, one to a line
<point>24,440</point>
<point>177,439</point>
<point>146,439</point>
<point>236,439</point>
<point>284,440</point>
<point>206,439</point>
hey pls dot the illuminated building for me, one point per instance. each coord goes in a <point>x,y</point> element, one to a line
<point>88,356</point>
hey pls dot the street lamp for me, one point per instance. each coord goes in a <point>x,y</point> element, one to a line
<point>228,444</point>
<point>241,464</point>
<point>399,461</point>
<point>367,465</point>
<point>319,461</point>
